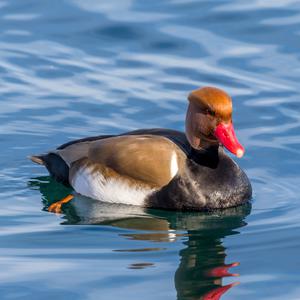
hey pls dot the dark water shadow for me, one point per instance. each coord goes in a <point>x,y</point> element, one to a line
<point>202,258</point>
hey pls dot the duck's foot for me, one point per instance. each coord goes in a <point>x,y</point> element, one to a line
<point>56,207</point>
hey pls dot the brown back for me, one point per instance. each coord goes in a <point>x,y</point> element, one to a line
<point>146,158</point>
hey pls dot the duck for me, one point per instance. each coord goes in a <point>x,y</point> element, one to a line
<point>159,168</point>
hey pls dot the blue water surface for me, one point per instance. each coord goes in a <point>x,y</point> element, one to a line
<point>76,68</point>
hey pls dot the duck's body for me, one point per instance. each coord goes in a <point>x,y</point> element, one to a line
<point>152,168</point>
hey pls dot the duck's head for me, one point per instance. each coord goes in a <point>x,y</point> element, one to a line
<point>209,120</point>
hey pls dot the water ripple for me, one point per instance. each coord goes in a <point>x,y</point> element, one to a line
<point>78,68</point>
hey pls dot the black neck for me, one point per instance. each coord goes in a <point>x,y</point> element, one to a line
<point>208,157</point>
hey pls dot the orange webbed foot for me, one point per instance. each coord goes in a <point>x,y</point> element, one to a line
<point>56,207</point>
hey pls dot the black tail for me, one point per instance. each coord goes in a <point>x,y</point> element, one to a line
<point>55,165</point>
<point>38,159</point>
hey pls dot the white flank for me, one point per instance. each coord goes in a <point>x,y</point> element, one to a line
<point>108,190</point>
<point>174,165</point>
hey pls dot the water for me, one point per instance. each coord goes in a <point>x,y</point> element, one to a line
<point>72,68</point>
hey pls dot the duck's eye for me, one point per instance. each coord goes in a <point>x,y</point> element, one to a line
<point>209,112</point>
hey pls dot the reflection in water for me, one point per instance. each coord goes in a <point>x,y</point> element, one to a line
<point>202,260</point>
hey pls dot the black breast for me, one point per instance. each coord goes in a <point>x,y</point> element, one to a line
<point>211,180</point>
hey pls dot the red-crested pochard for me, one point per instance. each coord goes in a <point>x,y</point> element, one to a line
<point>159,168</point>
